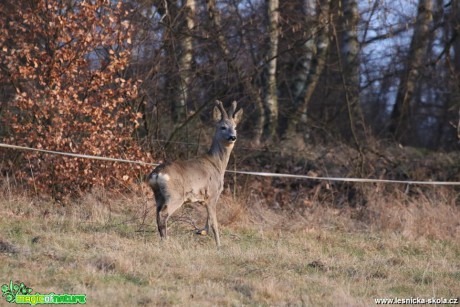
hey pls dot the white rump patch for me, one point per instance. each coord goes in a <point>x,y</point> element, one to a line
<point>163,178</point>
<point>158,179</point>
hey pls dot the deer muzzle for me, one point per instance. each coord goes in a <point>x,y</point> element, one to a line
<point>231,138</point>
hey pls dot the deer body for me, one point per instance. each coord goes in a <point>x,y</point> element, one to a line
<point>197,180</point>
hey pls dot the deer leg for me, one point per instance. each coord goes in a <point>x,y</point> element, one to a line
<point>164,211</point>
<point>212,219</point>
<point>162,218</point>
<point>204,231</point>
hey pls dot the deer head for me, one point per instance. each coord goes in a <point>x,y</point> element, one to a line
<point>226,123</point>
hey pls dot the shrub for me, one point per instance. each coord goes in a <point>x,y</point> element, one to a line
<point>66,62</point>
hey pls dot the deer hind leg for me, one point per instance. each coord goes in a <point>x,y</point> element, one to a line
<point>162,218</point>
<point>165,208</point>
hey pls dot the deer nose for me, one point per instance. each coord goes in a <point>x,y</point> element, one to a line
<point>232,138</point>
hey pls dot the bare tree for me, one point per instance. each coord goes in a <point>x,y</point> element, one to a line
<point>271,95</point>
<point>312,63</point>
<point>178,21</point>
<point>400,114</point>
<point>338,64</point>
<point>185,59</point>
<point>349,62</point>
<point>455,28</point>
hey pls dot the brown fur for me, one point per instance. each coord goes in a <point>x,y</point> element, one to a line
<point>200,179</point>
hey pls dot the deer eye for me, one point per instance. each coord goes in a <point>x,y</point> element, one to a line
<point>223,128</point>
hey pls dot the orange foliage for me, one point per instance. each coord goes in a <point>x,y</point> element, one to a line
<point>66,61</point>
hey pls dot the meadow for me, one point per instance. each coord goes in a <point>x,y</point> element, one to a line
<point>106,246</point>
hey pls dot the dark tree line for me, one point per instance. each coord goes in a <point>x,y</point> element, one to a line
<point>315,70</point>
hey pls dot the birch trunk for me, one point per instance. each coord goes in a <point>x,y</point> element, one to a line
<point>349,122</point>
<point>313,64</point>
<point>400,115</point>
<point>455,25</point>
<point>271,96</point>
<point>300,78</point>
<point>350,44</point>
<point>184,57</point>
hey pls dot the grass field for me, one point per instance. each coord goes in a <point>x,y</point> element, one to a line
<point>106,246</point>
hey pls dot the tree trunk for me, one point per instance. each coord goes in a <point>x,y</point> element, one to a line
<point>455,25</point>
<point>350,55</point>
<point>312,64</point>
<point>181,54</point>
<point>299,82</point>
<point>351,121</point>
<point>271,96</point>
<point>185,59</point>
<point>400,115</point>
<point>350,45</point>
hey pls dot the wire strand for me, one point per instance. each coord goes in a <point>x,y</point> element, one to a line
<point>251,173</point>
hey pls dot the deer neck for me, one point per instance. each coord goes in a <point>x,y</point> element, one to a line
<point>219,154</point>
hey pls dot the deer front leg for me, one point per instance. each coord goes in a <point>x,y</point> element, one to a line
<point>204,231</point>
<point>212,219</point>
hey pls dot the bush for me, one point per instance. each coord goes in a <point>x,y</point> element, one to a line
<point>66,62</point>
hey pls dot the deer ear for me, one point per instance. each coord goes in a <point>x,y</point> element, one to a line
<point>238,116</point>
<point>216,114</point>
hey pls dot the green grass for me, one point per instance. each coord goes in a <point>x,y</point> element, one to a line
<point>93,247</point>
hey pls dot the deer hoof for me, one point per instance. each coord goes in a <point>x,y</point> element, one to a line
<point>201,232</point>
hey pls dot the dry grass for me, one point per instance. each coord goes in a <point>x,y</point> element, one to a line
<point>106,246</point>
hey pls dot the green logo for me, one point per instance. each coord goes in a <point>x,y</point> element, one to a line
<point>21,294</point>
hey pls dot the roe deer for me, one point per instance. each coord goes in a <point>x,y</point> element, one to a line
<point>197,180</point>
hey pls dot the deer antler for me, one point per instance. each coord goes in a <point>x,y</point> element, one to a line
<point>221,109</point>
<point>232,110</point>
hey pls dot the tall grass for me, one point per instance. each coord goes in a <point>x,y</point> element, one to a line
<point>106,246</point>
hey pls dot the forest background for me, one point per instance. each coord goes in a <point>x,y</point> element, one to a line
<point>345,88</point>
